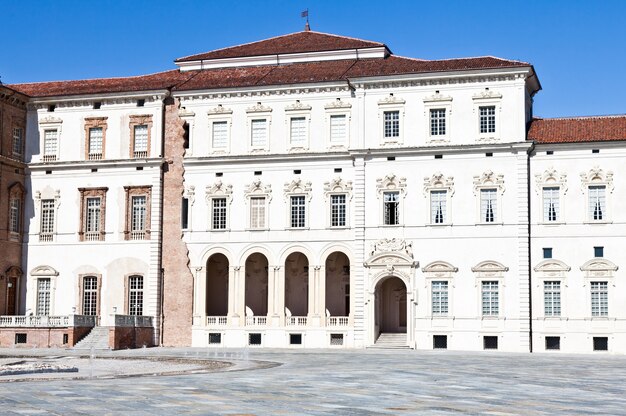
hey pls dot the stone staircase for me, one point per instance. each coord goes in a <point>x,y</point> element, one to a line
<point>389,340</point>
<point>98,339</point>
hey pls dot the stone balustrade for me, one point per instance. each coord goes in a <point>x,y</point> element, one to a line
<point>132,321</point>
<point>41,321</point>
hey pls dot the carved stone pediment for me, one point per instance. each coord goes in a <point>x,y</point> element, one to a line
<point>437,97</point>
<point>550,177</point>
<point>50,120</point>
<point>337,185</point>
<point>487,94</point>
<point>597,176</point>
<point>489,179</point>
<point>219,189</point>
<point>257,188</point>
<point>219,110</point>
<point>439,267</point>
<point>552,265</point>
<point>599,267</point>
<point>391,100</point>
<point>44,271</point>
<point>298,106</point>
<point>298,186</point>
<point>438,181</point>
<point>337,104</point>
<point>258,108</point>
<point>390,182</point>
<point>387,245</point>
<point>490,268</point>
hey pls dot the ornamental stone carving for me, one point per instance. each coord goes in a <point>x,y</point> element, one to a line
<point>438,181</point>
<point>489,180</point>
<point>257,188</point>
<point>439,269</point>
<point>338,185</point>
<point>259,108</point>
<point>437,97</point>
<point>551,268</point>
<point>387,245</point>
<point>390,182</point>
<point>219,189</point>
<point>219,110</point>
<point>550,177</point>
<point>298,186</point>
<point>50,120</point>
<point>489,268</point>
<point>337,104</point>
<point>44,271</point>
<point>298,106</point>
<point>598,267</point>
<point>597,176</point>
<point>391,100</point>
<point>487,94</point>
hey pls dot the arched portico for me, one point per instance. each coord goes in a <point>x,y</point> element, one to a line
<point>390,312</point>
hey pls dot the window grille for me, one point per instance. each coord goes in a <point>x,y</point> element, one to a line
<point>95,143</point>
<point>440,298</point>
<point>141,141</point>
<point>259,133</point>
<point>600,343</point>
<point>220,134</point>
<point>338,210</point>
<point>298,131</point>
<point>257,212</point>
<point>440,342</point>
<point>392,124</point>
<point>488,205</point>
<point>552,298</point>
<point>338,128</point>
<point>298,211</point>
<point>490,301</point>
<point>50,142</point>
<point>391,202</point>
<point>597,203</point>
<point>219,213</point>
<point>255,338</point>
<point>599,298</point>
<point>553,343</point>
<point>43,296</point>
<point>336,339</point>
<point>215,338</point>
<point>488,119</point>
<point>438,122</point>
<point>90,295</point>
<point>551,204</point>
<point>438,207</point>
<point>490,343</point>
<point>135,295</point>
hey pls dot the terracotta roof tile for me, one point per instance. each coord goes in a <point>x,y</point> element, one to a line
<point>578,129</point>
<point>307,41</point>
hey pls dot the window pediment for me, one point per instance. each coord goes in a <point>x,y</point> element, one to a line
<point>597,176</point>
<point>219,189</point>
<point>13,271</point>
<point>550,177</point>
<point>489,268</point>
<point>49,121</point>
<point>391,100</point>
<point>391,182</point>
<point>488,179</point>
<point>298,106</point>
<point>259,108</point>
<point>338,104</point>
<point>298,186</point>
<point>44,271</point>
<point>439,269</point>
<point>551,268</point>
<point>219,110</point>
<point>598,267</point>
<point>487,95</point>
<point>338,185</point>
<point>257,188</point>
<point>438,181</point>
<point>438,98</point>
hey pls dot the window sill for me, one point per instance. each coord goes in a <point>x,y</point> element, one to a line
<point>442,140</point>
<point>489,223</point>
<point>220,230</point>
<point>391,225</point>
<point>598,222</point>
<point>343,227</point>
<point>549,223</point>
<point>257,229</point>
<point>490,317</point>
<point>445,224</point>
<point>296,228</point>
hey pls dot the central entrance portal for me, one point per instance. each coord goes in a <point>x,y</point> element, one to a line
<point>391,313</point>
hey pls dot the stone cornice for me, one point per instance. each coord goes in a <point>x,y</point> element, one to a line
<point>87,102</point>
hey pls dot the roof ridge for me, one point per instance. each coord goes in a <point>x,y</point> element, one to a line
<point>95,79</point>
<point>480,57</point>
<point>581,117</point>
<point>345,37</point>
<point>409,58</point>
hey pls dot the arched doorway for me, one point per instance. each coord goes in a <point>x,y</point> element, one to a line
<point>390,308</point>
<point>256,285</point>
<point>13,275</point>
<point>296,285</point>
<point>337,296</point>
<point>217,285</point>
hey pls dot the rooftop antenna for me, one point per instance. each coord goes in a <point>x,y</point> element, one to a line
<point>305,13</point>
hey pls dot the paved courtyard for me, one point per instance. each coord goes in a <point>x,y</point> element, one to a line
<point>281,382</point>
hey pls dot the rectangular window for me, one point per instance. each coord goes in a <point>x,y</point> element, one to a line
<point>184,219</point>
<point>599,299</point>
<point>551,209</point>
<point>488,205</point>
<point>600,343</point>
<point>220,134</point>
<point>547,253</point>
<point>440,298</point>
<point>50,143</point>
<point>598,251</point>
<point>338,210</point>
<point>487,119</point>
<point>391,202</point>
<point>219,213</point>
<point>438,207</point>
<point>43,296</point>
<point>437,122</point>
<point>392,124</point>
<point>440,342</point>
<point>552,298</point>
<point>90,295</point>
<point>338,128</point>
<point>490,343</point>
<point>298,211</point>
<point>138,214</point>
<point>553,343</point>
<point>15,212</point>
<point>257,212</point>
<point>92,224</point>
<point>490,298</point>
<point>47,220</point>
<point>597,203</point>
<point>18,141</point>
<point>298,131</point>
<point>95,143</point>
<point>259,133</point>
<point>135,295</point>
<point>141,141</point>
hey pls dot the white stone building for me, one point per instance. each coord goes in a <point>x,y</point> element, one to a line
<point>331,194</point>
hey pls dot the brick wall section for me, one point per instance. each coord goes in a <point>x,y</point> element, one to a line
<point>42,337</point>
<point>130,337</point>
<point>178,279</point>
<point>12,114</point>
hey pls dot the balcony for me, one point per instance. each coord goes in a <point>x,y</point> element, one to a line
<point>92,236</point>
<point>256,320</point>
<point>217,320</point>
<point>49,158</point>
<point>137,321</point>
<point>138,235</point>
<point>337,321</point>
<point>46,237</point>
<point>95,156</point>
<point>296,321</point>
<point>140,154</point>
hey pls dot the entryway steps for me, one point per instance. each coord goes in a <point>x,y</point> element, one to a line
<point>98,339</point>
<point>388,340</point>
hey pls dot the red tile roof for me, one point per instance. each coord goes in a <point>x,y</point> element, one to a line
<point>306,41</point>
<point>578,129</point>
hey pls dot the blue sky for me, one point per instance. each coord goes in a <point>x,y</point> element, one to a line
<point>578,48</point>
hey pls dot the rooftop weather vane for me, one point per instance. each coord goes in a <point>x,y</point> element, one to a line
<point>306,14</point>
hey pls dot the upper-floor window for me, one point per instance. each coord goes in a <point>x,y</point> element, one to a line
<point>599,298</point>
<point>439,297</point>
<point>338,128</point>
<point>490,298</point>
<point>391,211</point>
<point>95,143</point>
<point>438,208</point>
<point>50,145</point>
<point>391,126</point>
<point>94,206</point>
<point>218,213</point>
<point>552,298</point>
<point>15,215</point>
<point>338,210</point>
<point>219,134</point>
<point>488,205</point>
<point>259,133</point>
<point>138,219</point>
<point>298,211</point>
<point>140,141</point>
<point>18,142</point>
<point>137,212</point>
<point>597,202</point>
<point>92,214</point>
<point>487,119</point>
<point>298,132</point>
<point>438,122</point>
<point>47,219</point>
<point>257,211</point>
<point>551,203</point>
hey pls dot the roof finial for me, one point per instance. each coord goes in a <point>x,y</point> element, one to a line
<point>305,13</point>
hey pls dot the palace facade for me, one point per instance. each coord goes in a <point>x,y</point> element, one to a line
<point>318,191</point>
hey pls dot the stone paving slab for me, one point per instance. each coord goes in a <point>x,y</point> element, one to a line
<point>353,382</point>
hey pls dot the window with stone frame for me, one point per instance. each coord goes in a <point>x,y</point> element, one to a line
<point>391,192</point>
<point>597,202</point>
<point>218,199</point>
<point>43,296</point>
<point>140,133</point>
<point>437,121</point>
<point>89,293</point>
<point>138,202</point>
<point>391,208</point>
<point>439,297</point>
<point>489,188</point>
<point>487,119</point>
<point>258,207</point>
<point>50,144</point>
<point>298,195</point>
<point>95,137</point>
<point>18,142</point>
<point>490,298</point>
<point>92,214</point>
<point>134,295</point>
<point>552,297</point>
<point>599,299</point>
<point>16,211</point>
<point>46,230</point>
